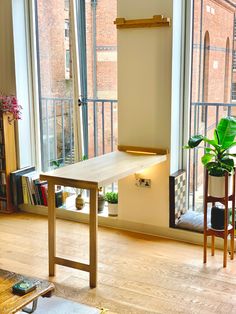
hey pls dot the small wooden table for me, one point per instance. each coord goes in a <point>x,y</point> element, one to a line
<point>11,303</point>
<point>91,174</point>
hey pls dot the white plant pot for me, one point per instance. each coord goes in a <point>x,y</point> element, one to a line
<point>112,209</point>
<point>216,186</point>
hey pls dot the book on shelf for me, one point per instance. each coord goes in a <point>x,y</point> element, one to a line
<point>25,192</point>
<point>1,137</point>
<point>41,191</point>
<point>32,189</point>
<point>16,184</point>
<point>2,164</point>
<point>35,192</point>
<point>3,178</point>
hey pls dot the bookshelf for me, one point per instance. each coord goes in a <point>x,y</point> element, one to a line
<point>7,160</point>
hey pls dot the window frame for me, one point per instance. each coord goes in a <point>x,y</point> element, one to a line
<point>187,75</point>
<point>29,70</point>
<point>77,121</point>
<point>180,116</point>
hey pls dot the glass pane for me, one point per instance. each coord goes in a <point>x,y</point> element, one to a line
<point>55,82</point>
<point>101,41</point>
<point>213,80</point>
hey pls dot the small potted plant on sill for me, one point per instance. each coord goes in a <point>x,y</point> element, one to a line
<point>217,158</point>
<point>101,200</point>
<point>112,199</point>
<point>79,201</point>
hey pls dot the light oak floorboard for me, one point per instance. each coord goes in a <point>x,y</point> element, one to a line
<point>137,274</point>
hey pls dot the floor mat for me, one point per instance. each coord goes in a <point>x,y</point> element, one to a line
<point>56,305</point>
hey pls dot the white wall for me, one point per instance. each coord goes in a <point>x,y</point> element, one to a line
<point>13,71</point>
<point>23,87</point>
<point>7,69</point>
<point>144,96</point>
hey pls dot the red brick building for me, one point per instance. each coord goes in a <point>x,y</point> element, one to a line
<point>212,59</point>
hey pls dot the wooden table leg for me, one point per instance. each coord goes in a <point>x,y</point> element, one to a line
<point>232,246</point>
<point>233,220</point>
<point>212,245</point>
<point>51,228</point>
<point>205,217</point>
<point>93,227</point>
<point>205,249</point>
<point>225,249</point>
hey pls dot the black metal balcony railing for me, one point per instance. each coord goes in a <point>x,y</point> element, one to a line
<point>204,118</point>
<point>102,126</point>
<point>58,133</point>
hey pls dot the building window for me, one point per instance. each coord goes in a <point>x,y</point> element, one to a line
<point>234,60</point>
<point>67,29</point>
<point>233,91</point>
<point>235,28</point>
<point>67,63</point>
<point>67,4</point>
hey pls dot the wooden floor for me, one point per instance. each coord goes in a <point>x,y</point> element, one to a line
<point>137,274</point>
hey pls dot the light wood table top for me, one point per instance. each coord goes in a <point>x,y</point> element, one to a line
<point>11,303</point>
<point>103,170</point>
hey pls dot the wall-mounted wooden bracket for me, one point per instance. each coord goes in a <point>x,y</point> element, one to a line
<point>143,150</point>
<point>156,21</point>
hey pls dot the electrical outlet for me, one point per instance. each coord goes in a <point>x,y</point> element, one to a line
<point>143,183</point>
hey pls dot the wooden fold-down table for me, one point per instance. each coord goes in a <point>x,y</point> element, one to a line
<point>90,174</point>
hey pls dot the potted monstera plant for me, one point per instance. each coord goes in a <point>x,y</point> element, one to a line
<point>218,159</point>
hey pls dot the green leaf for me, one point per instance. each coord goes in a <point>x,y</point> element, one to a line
<point>208,150</point>
<point>217,171</point>
<point>216,137</point>
<point>195,140</point>
<point>232,145</point>
<point>227,164</point>
<point>228,161</point>
<point>207,158</point>
<point>226,130</point>
<point>56,163</point>
<point>213,143</point>
<point>212,164</point>
<point>111,197</point>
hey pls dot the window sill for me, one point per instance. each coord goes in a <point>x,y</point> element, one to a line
<point>70,213</point>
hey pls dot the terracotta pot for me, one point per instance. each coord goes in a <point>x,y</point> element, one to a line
<point>216,186</point>
<point>112,209</point>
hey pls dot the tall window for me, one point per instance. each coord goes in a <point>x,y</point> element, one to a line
<point>98,82</point>
<point>101,80</point>
<point>55,86</point>
<point>213,80</point>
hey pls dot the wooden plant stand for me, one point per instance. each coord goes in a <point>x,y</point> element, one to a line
<point>228,229</point>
